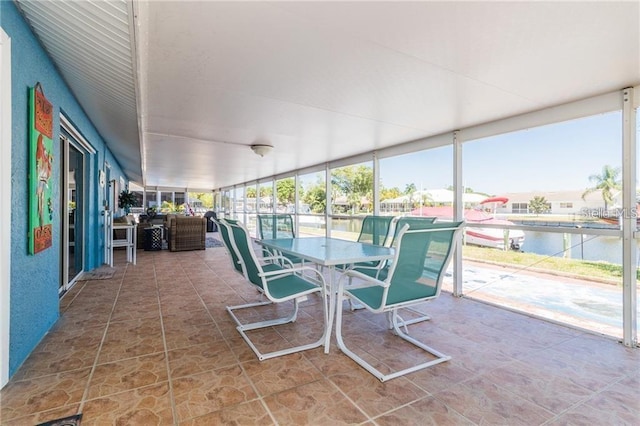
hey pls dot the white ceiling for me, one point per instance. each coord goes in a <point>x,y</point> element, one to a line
<point>326,80</point>
<point>92,46</point>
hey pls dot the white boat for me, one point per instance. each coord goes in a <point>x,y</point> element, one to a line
<point>487,237</point>
<point>495,237</point>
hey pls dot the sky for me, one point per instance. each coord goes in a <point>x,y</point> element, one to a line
<point>555,157</point>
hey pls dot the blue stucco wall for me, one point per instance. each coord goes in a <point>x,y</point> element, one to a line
<point>35,279</point>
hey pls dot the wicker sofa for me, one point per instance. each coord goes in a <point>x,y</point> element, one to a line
<point>186,232</point>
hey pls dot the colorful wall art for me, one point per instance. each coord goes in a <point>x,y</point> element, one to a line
<point>40,168</point>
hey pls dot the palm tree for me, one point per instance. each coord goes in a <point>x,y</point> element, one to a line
<point>606,182</point>
<point>410,188</point>
<point>539,204</point>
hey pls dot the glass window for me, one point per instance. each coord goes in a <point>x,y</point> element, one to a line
<point>571,278</point>
<point>251,200</point>
<point>250,196</point>
<point>152,199</point>
<point>286,195</point>
<point>562,176</point>
<point>239,208</point>
<point>352,189</point>
<point>351,199</point>
<point>265,199</point>
<point>312,204</point>
<point>227,203</point>
<point>576,162</point>
<point>519,208</point>
<point>313,193</point>
<point>419,183</point>
<point>179,199</point>
<point>138,193</point>
<point>166,196</point>
<point>167,204</point>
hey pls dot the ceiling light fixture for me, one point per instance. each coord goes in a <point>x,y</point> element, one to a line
<point>261,149</point>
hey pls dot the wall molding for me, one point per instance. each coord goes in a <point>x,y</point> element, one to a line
<point>5,200</point>
<point>75,134</point>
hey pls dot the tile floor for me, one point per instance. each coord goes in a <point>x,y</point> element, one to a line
<point>155,345</point>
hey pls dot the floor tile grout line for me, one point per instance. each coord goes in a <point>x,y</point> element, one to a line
<point>580,401</point>
<point>513,394</point>
<point>584,399</point>
<point>571,326</point>
<point>428,394</point>
<point>172,400</point>
<point>64,372</point>
<point>259,395</point>
<point>237,360</point>
<point>118,295</point>
<point>364,413</point>
<point>400,407</point>
<point>85,395</point>
<point>368,418</point>
<point>75,295</point>
<point>215,314</point>
<point>327,379</point>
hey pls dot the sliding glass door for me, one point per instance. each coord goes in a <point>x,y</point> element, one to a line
<point>73,198</point>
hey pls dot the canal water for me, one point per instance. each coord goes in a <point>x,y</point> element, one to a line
<point>585,247</point>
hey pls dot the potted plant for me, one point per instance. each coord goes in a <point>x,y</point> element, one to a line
<point>126,200</point>
<point>151,213</point>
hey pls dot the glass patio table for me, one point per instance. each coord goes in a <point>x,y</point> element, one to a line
<point>329,252</point>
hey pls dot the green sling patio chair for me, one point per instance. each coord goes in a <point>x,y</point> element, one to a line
<point>278,284</point>
<point>414,222</point>
<point>380,269</point>
<point>225,231</point>
<point>415,276</point>
<point>275,226</point>
<point>223,226</point>
<point>375,230</point>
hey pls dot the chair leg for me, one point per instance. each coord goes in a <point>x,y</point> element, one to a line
<point>259,324</point>
<point>243,328</point>
<point>343,347</point>
<point>405,323</point>
<point>353,304</point>
<point>440,357</point>
<point>396,322</point>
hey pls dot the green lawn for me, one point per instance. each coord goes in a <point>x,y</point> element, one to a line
<point>604,271</point>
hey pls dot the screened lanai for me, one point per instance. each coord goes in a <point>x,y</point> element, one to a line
<point>554,273</point>
<point>405,98</point>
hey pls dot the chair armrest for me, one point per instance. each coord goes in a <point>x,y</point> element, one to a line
<point>278,257</point>
<point>365,277</point>
<point>289,271</point>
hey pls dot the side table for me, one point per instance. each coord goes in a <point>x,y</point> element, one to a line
<point>129,243</point>
<point>153,238</point>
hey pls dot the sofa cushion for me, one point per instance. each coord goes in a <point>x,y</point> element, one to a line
<point>123,219</point>
<point>121,234</point>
